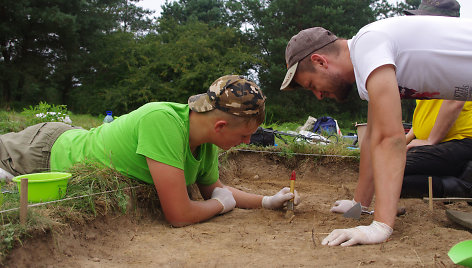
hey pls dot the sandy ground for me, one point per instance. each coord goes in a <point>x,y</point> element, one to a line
<point>256,238</point>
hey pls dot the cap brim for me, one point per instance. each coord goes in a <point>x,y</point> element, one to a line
<point>287,84</point>
<point>419,12</point>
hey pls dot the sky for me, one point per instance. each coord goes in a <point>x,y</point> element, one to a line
<point>466,6</point>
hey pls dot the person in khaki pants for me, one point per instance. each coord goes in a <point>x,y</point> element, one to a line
<point>170,145</point>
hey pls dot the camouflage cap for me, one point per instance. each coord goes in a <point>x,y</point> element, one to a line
<point>450,8</point>
<point>232,94</point>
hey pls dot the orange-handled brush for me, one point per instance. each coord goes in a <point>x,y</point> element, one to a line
<point>292,190</point>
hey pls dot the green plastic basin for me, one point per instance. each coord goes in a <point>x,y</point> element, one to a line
<point>461,253</point>
<point>43,187</point>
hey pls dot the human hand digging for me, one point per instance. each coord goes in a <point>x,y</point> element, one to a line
<point>341,206</point>
<point>280,199</point>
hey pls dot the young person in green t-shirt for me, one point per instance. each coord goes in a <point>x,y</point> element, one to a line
<point>170,145</point>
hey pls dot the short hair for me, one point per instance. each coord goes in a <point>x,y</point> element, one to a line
<point>236,121</point>
<point>304,65</point>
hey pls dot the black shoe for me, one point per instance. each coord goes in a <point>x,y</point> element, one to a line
<point>454,187</point>
<point>467,173</point>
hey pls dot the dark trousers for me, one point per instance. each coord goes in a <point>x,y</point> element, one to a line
<point>446,163</point>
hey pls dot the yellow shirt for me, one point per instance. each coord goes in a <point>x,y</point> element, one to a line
<point>425,115</point>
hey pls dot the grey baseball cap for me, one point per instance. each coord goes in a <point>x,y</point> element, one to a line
<point>301,45</point>
<point>450,8</point>
<point>232,94</point>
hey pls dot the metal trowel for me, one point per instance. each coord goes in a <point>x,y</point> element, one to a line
<point>354,212</point>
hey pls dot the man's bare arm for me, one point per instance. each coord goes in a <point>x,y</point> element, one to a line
<point>387,141</point>
<point>178,209</point>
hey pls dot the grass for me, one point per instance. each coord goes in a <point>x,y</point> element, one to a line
<point>94,191</point>
<point>11,122</point>
<point>14,122</point>
<point>86,121</point>
<point>105,189</point>
<point>293,147</point>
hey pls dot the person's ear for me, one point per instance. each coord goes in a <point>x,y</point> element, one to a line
<point>319,60</point>
<point>220,125</point>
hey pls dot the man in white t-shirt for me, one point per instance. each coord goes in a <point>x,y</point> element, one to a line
<point>418,57</point>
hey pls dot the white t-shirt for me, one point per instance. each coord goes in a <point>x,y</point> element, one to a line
<point>432,55</point>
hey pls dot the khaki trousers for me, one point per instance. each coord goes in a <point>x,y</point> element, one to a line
<point>29,150</point>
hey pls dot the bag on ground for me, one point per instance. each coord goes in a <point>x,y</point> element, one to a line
<point>263,137</point>
<point>325,125</point>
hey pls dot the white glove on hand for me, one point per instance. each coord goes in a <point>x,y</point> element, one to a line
<point>341,206</point>
<point>375,233</point>
<point>225,197</point>
<point>280,199</point>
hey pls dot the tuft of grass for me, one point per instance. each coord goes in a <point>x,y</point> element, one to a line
<point>336,149</point>
<point>339,148</point>
<point>89,178</point>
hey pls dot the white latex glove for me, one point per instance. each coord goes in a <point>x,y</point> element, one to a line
<point>280,199</point>
<point>375,233</point>
<point>225,197</point>
<point>341,206</point>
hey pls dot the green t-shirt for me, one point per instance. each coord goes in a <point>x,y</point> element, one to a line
<point>157,130</point>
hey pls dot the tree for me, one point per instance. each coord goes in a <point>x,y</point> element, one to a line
<point>169,66</point>
<point>44,43</point>
<point>211,12</point>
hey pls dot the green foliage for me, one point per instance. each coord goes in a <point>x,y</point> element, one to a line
<point>44,44</point>
<point>103,55</point>
<point>7,238</point>
<point>211,12</point>
<point>44,112</point>
<point>171,66</point>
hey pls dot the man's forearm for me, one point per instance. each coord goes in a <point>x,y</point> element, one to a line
<point>246,200</point>
<point>388,160</point>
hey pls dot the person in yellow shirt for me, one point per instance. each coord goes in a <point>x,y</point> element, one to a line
<point>440,142</point>
<point>439,145</point>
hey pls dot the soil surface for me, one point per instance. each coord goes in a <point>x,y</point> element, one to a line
<point>255,238</point>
